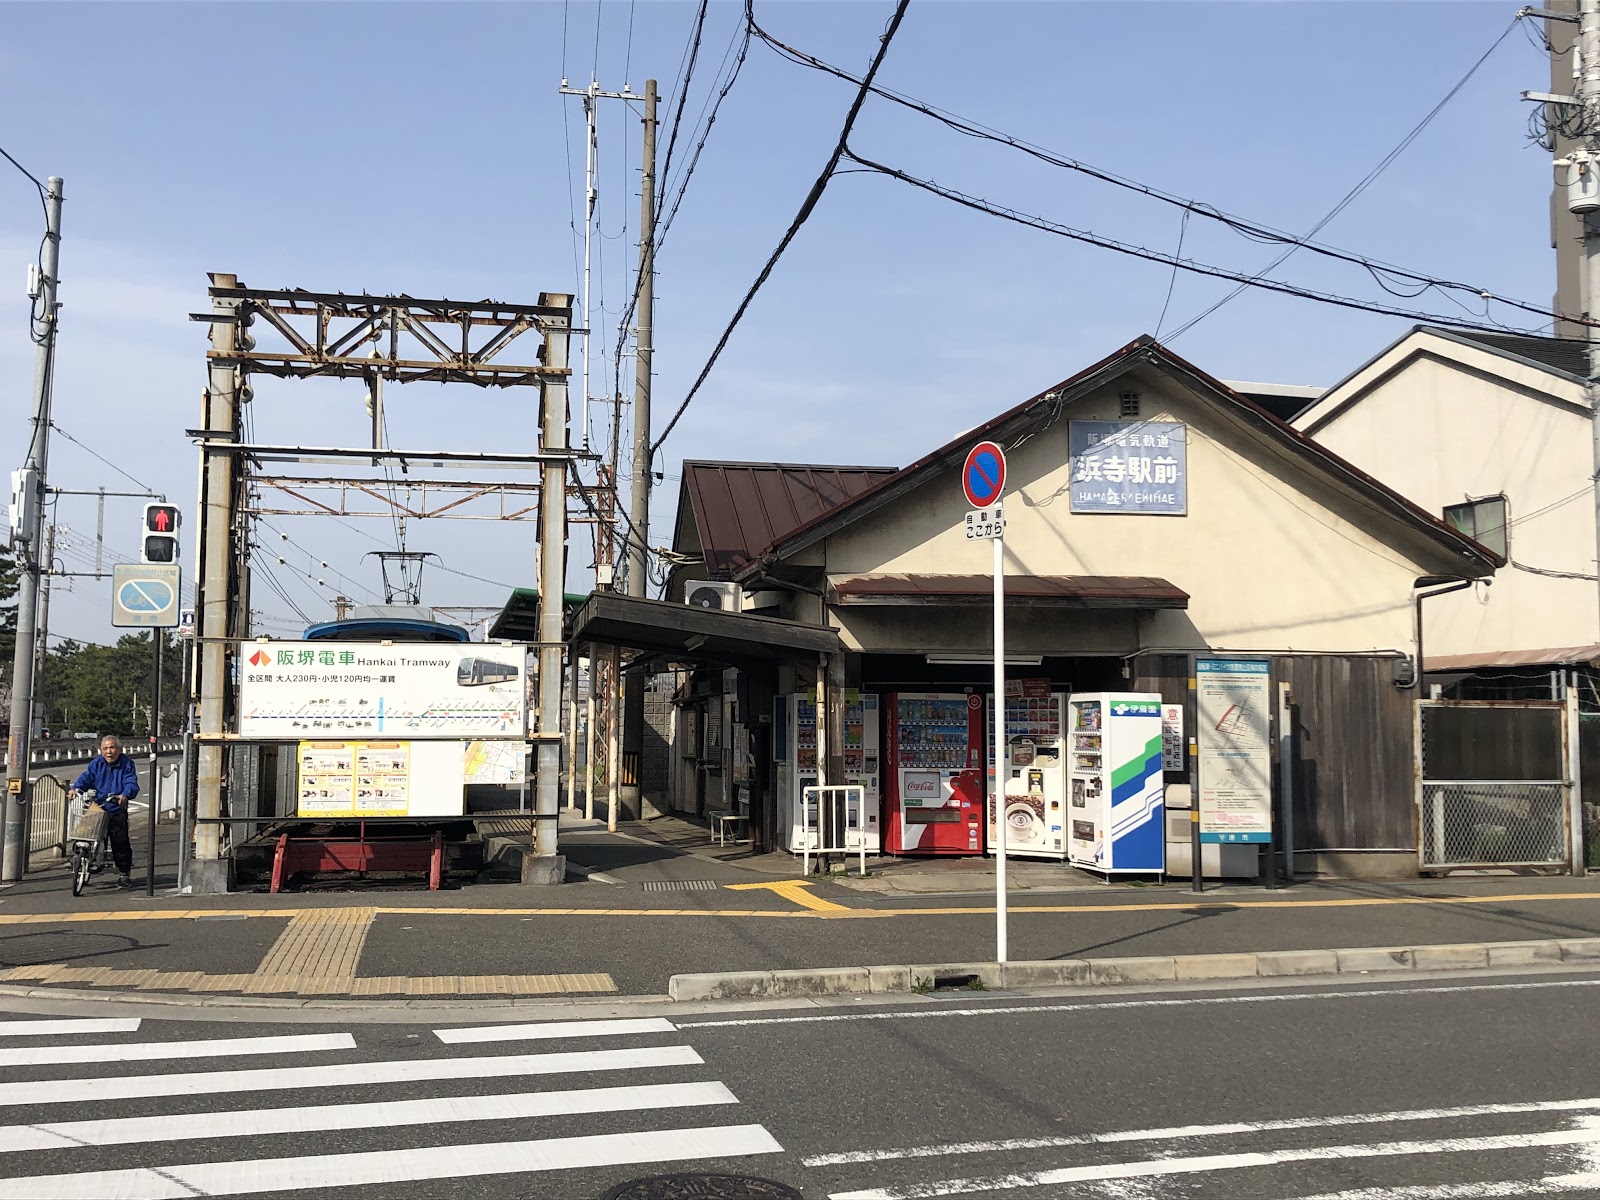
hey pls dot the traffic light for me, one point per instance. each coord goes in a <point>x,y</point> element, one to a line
<point>160,538</point>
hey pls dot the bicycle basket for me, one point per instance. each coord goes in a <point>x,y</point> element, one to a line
<point>90,824</point>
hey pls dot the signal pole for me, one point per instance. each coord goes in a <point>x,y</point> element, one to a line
<point>13,854</point>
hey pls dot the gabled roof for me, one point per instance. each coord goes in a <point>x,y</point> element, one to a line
<point>1564,356</point>
<point>1562,360</point>
<point>1045,408</point>
<point>739,507</point>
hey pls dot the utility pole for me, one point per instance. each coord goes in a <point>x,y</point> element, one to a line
<point>639,495</point>
<point>543,864</point>
<point>637,538</point>
<point>13,856</point>
<point>1584,198</point>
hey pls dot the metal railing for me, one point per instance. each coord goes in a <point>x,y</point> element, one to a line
<point>1487,822</point>
<point>47,816</point>
<point>44,754</point>
<point>830,823</point>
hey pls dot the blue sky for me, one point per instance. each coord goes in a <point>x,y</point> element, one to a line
<point>424,148</point>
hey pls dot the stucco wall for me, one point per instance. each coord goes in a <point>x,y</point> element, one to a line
<point>1442,430</point>
<point>1272,556</point>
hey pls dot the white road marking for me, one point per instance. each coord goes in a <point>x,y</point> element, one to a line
<point>1510,1189</point>
<point>1205,1164</point>
<point>123,1087</point>
<point>1097,1005</point>
<point>299,1043</point>
<point>383,1114</point>
<point>328,1171</point>
<point>1185,1132</point>
<point>555,1029</point>
<point>74,1025</point>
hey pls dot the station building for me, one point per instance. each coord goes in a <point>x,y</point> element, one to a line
<point>1153,515</point>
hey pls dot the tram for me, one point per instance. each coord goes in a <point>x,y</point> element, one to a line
<point>390,623</point>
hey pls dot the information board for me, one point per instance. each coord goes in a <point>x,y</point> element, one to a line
<point>1235,752</point>
<point>291,691</point>
<point>380,779</point>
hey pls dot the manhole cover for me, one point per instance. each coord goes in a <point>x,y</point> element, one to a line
<point>680,885</point>
<point>703,1187</point>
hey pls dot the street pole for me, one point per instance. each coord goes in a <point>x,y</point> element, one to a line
<point>1000,744</point>
<point>13,855</point>
<point>639,495</point>
<point>158,636</point>
<point>544,864</point>
<point>42,642</point>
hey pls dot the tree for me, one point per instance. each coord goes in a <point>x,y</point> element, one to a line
<point>9,583</point>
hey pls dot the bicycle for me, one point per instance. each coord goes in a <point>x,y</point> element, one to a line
<point>88,842</point>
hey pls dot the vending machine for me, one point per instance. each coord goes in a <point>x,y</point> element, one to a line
<point>1035,784</point>
<point>1116,811</point>
<point>933,773</point>
<point>862,767</point>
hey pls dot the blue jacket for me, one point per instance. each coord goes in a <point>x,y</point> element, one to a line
<point>108,779</point>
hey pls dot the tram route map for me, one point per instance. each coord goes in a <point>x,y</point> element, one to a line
<point>294,691</point>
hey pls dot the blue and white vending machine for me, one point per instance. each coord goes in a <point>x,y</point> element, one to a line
<point>1115,811</point>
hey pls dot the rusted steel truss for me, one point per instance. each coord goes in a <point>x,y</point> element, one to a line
<point>300,335</point>
<point>413,498</point>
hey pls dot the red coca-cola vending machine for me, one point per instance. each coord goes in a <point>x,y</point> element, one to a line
<point>933,773</point>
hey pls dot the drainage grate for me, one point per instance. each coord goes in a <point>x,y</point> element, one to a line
<point>680,885</point>
<point>703,1187</point>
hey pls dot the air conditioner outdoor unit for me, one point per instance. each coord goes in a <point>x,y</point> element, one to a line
<point>703,593</point>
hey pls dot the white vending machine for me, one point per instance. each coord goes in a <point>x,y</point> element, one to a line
<point>1035,788</point>
<point>861,768</point>
<point>1116,810</point>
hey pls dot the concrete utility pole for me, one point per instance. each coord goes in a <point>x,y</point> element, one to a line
<point>639,496</point>
<point>13,857</point>
<point>1589,98</point>
<point>209,873</point>
<point>543,864</point>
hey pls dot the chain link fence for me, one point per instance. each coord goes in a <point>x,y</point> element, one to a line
<point>1492,785</point>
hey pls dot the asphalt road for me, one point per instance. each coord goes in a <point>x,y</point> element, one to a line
<point>1473,1087</point>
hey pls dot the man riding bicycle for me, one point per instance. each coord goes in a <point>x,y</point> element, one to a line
<point>115,781</point>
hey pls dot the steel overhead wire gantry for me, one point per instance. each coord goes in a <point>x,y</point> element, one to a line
<point>396,339</point>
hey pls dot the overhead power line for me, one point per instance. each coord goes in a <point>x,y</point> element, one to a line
<point>1380,270</point>
<point>1046,225</point>
<point>1365,182</point>
<point>807,206</point>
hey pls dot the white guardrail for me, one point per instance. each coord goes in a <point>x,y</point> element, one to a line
<point>81,750</point>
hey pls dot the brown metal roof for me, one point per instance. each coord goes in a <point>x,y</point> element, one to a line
<point>1558,656</point>
<point>1051,591</point>
<point>741,507</point>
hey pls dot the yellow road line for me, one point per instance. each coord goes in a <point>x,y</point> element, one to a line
<point>815,907</point>
<point>792,889</point>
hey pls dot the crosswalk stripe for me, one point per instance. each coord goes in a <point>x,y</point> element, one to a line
<point>73,1025</point>
<point>383,1114</point>
<point>399,1166</point>
<point>123,1087</point>
<point>34,1056</point>
<point>555,1029</point>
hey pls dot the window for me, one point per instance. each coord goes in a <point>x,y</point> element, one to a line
<point>1482,520</point>
<point>1128,405</point>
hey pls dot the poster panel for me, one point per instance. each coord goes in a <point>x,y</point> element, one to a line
<point>1235,751</point>
<point>293,691</point>
<point>380,779</point>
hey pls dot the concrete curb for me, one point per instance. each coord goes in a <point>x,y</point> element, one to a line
<point>1101,972</point>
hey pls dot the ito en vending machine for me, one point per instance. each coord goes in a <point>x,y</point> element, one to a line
<point>1035,787</point>
<point>1116,812</point>
<point>862,767</point>
<point>933,773</point>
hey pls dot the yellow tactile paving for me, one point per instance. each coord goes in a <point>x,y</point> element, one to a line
<point>322,944</point>
<point>175,981</point>
<point>221,983</point>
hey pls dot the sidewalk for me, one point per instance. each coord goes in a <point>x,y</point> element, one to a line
<point>657,899</point>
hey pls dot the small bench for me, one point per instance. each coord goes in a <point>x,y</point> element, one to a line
<point>725,820</point>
